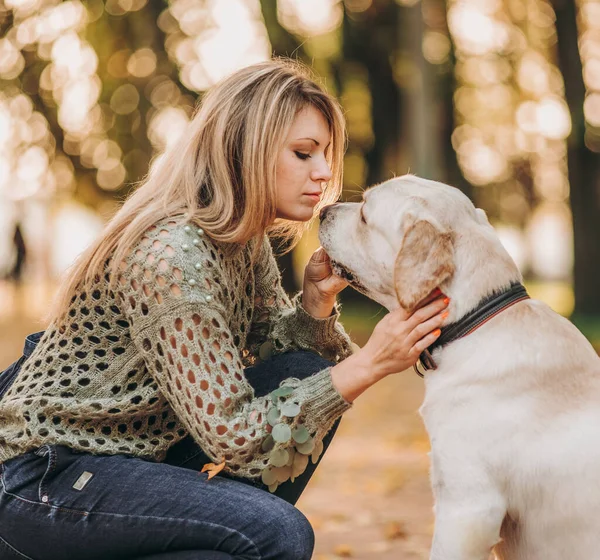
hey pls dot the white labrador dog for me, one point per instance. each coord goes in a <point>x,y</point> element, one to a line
<point>513,409</point>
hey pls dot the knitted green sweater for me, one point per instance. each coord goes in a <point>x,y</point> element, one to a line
<point>135,369</point>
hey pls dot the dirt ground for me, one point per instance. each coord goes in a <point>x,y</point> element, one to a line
<point>370,498</point>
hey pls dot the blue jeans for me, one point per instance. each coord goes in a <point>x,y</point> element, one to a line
<point>132,508</point>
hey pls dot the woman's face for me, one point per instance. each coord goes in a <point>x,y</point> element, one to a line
<point>301,167</point>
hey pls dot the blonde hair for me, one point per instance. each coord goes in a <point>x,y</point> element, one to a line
<point>221,174</point>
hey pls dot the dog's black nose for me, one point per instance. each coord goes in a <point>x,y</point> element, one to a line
<point>324,211</point>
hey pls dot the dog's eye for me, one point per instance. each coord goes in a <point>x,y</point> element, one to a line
<point>362,217</point>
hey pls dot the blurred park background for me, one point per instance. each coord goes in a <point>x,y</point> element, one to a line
<point>500,98</point>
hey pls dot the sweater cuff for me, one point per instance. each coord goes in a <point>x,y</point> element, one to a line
<point>324,402</point>
<point>312,329</point>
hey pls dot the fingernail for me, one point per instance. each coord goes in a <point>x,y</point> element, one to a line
<point>446,300</point>
<point>445,314</point>
<point>437,332</point>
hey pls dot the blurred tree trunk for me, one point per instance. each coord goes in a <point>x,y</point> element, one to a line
<point>584,167</point>
<point>386,105</point>
<point>452,173</point>
<point>131,32</point>
<point>283,43</point>
<point>374,51</point>
<point>422,107</point>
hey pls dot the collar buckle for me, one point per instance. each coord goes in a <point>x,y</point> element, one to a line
<point>418,367</point>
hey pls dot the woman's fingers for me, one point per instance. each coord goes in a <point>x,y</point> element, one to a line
<point>425,342</point>
<point>319,256</point>
<point>400,336</point>
<point>400,315</point>
<point>424,329</point>
<point>428,311</point>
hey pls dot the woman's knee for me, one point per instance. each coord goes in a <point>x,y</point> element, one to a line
<point>293,537</point>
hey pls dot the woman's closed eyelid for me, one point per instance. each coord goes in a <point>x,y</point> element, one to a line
<point>301,155</point>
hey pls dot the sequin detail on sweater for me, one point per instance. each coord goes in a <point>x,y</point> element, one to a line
<point>135,369</point>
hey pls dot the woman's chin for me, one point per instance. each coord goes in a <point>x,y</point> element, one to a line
<point>297,215</point>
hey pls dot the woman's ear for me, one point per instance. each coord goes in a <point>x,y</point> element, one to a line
<point>425,260</point>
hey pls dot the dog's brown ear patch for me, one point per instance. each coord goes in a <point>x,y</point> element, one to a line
<point>425,260</point>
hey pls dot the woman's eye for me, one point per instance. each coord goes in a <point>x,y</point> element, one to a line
<point>301,155</point>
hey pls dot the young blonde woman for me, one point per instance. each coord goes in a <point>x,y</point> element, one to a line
<point>172,345</point>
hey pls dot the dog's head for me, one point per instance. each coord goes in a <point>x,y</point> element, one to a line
<point>399,243</point>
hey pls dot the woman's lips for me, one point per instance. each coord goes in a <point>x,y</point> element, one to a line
<point>314,196</point>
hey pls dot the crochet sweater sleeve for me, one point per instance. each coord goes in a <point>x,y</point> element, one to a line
<point>179,317</point>
<point>280,324</point>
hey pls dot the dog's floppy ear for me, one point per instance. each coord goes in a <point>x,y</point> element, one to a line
<point>425,260</point>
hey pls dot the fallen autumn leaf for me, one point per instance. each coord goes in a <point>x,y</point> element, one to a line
<point>212,469</point>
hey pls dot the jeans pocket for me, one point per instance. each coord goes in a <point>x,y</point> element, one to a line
<point>49,452</point>
<point>59,461</point>
<point>25,477</point>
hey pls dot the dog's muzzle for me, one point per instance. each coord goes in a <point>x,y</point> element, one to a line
<point>341,271</point>
<point>326,210</point>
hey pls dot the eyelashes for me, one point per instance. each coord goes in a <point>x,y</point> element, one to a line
<point>301,155</point>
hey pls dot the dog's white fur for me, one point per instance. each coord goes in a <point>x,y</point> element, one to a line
<point>513,410</point>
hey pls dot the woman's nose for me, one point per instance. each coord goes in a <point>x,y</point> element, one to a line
<point>322,173</point>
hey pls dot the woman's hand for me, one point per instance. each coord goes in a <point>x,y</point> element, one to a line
<point>321,285</point>
<point>395,345</point>
<point>399,338</point>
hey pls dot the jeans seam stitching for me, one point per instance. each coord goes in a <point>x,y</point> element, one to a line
<point>43,504</point>
<point>26,500</point>
<point>178,519</point>
<point>117,515</point>
<point>13,549</point>
<point>51,464</point>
